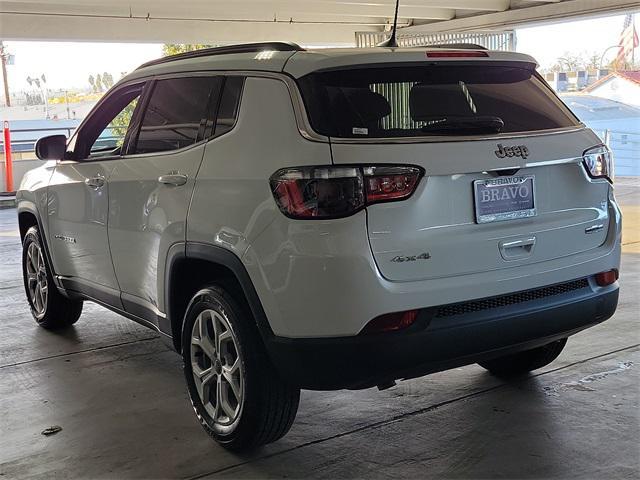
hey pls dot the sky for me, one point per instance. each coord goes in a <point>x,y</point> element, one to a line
<point>68,65</point>
<point>546,43</point>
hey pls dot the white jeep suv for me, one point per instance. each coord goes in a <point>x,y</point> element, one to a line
<point>326,219</point>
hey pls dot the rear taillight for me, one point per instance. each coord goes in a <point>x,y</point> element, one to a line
<point>598,162</point>
<point>334,192</point>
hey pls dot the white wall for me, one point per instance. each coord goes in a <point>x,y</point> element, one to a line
<point>20,167</point>
<point>620,90</point>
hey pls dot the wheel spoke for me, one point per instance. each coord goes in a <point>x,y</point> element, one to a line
<point>203,384</point>
<point>200,373</point>
<point>32,258</point>
<point>202,339</point>
<point>216,411</point>
<point>41,297</point>
<point>207,347</point>
<point>207,380</point>
<point>229,374</point>
<point>197,334</point>
<point>36,299</point>
<point>223,337</point>
<point>44,291</point>
<point>226,389</point>
<point>226,407</point>
<point>215,322</point>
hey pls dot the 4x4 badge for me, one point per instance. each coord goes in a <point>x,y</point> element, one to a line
<point>411,258</point>
<point>515,151</point>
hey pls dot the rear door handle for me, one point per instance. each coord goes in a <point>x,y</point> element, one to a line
<point>94,182</point>
<point>173,178</point>
<point>517,249</point>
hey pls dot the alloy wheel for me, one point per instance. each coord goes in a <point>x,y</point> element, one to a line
<point>37,284</point>
<point>217,367</point>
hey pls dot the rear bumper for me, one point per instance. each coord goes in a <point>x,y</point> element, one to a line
<point>443,337</point>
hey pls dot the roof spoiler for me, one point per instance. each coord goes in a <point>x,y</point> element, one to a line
<point>227,49</point>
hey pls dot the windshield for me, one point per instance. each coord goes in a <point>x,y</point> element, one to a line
<point>433,99</point>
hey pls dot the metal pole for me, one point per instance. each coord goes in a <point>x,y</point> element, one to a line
<point>633,47</point>
<point>8,171</point>
<point>605,51</point>
<point>3,56</point>
<point>44,91</point>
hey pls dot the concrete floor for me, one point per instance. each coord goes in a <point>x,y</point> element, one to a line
<point>119,396</point>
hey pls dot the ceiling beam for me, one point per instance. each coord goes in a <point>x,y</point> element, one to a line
<point>247,10</point>
<point>540,14</point>
<point>138,29</point>
<point>481,5</point>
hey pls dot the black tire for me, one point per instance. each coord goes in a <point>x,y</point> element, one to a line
<point>269,404</point>
<point>524,362</point>
<point>49,308</point>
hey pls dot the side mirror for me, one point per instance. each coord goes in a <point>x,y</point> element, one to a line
<point>52,147</point>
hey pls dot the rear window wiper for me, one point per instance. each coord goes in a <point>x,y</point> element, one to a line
<point>452,125</point>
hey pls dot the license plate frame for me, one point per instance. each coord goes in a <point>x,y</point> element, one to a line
<point>500,210</point>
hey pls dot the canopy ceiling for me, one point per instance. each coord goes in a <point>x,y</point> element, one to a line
<point>308,22</point>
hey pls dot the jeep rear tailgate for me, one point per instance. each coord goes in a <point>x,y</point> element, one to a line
<point>503,183</point>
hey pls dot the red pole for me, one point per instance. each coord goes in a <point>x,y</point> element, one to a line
<point>8,171</point>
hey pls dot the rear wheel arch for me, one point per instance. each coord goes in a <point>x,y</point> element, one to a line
<point>26,220</point>
<point>196,265</point>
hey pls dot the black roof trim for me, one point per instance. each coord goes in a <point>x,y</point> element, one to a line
<point>228,49</point>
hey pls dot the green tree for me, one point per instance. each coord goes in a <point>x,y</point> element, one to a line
<point>107,79</point>
<point>99,87</point>
<point>92,82</point>
<point>120,123</point>
<point>175,48</point>
<point>593,61</point>
<point>570,62</point>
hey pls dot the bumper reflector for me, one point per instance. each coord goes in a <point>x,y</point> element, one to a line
<point>607,278</point>
<point>391,322</point>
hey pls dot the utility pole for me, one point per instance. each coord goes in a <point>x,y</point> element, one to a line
<point>633,46</point>
<point>3,59</point>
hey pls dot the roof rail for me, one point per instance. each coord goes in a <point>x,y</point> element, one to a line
<point>228,49</point>
<point>461,46</point>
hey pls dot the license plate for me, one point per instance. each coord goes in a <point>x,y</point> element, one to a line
<point>504,198</point>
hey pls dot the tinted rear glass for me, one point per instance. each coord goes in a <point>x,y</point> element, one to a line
<point>424,100</point>
<point>177,113</point>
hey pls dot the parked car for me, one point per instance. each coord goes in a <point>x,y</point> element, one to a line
<point>327,219</point>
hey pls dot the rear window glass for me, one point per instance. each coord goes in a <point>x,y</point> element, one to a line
<point>425,100</point>
<point>177,113</point>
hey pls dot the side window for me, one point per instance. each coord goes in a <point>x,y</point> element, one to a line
<point>104,134</point>
<point>228,111</point>
<point>113,135</point>
<point>177,113</point>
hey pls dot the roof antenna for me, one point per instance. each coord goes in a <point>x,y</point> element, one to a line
<point>391,41</point>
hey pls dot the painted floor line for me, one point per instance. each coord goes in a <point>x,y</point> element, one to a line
<point>88,350</point>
